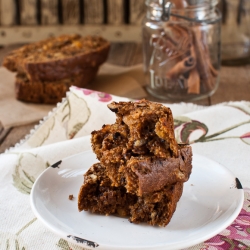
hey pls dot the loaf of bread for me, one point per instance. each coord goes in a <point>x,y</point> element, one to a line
<point>50,92</point>
<point>58,58</point>
<point>46,69</point>
<point>142,168</point>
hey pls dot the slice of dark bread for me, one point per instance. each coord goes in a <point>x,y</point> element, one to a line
<point>50,92</point>
<point>97,195</point>
<point>58,58</point>
<point>142,168</point>
<point>141,129</point>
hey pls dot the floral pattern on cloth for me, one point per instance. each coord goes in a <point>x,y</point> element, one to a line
<point>102,97</point>
<point>185,128</point>
<point>220,132</point>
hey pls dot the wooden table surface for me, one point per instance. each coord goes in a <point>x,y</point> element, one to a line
<point>234,86</point>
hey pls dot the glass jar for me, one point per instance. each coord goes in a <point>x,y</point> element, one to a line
<point>181,49</point>
<point>235,37</point>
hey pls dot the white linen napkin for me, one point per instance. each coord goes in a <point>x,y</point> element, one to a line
<point>220,132</point>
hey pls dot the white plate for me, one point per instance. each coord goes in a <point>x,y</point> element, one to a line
<point>211,200</point>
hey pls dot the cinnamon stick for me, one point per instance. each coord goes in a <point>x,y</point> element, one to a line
<point>163,45</point>
<point>213,72</point>
<point>189,62</point>
<point>183,34</point>
<point>193,82</point>
<point>202,62</point>
<point>181,67</point>
<point>179,4</point>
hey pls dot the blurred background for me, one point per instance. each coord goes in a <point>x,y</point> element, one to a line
<point>23,21</point>
<point>31,20</point>
<point>120,22</point>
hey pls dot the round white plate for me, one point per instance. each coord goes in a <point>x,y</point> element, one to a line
<point>211,200</point>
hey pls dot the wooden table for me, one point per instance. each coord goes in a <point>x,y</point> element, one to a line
<point>234,86</point>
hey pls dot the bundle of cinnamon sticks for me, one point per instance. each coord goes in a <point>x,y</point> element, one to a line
<point>194,66</point>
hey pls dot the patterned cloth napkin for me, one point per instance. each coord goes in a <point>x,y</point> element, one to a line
<point>220,132</point>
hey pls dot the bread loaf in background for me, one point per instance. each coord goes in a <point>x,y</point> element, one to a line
<point>46,69</point>
<point>50,92</point>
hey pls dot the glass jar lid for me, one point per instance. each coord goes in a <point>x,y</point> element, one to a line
<point>186,10</point>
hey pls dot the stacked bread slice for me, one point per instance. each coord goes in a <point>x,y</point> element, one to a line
<point>46,69</point>
<point>142,168</point>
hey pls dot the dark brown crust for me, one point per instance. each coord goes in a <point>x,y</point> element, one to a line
<point>97,195</point>
<point>60,69</point>
<point>50,92</point>
<point>152,173</point>
<point>56,68</point>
